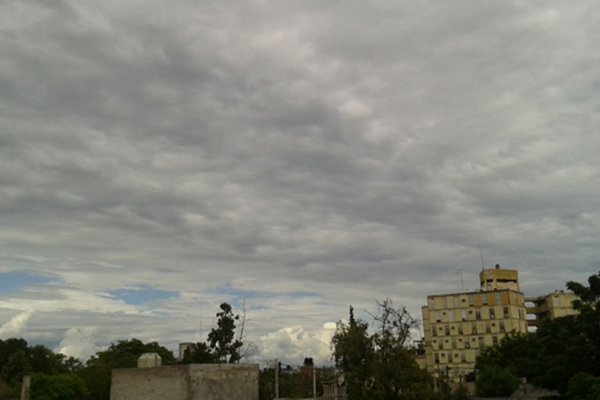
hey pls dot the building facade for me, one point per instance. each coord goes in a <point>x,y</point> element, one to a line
<point>550,306</point>
<point>458,326</point>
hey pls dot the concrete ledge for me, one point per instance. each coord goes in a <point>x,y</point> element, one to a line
<point>186,382</point>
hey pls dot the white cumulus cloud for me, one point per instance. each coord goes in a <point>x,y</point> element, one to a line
<point>16,325</point>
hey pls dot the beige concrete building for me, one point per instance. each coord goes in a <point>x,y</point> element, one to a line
<point>457,326</point>
<point>554,305</point>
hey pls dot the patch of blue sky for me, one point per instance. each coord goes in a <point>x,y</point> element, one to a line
<point>14,282</point>
<point>142,294</point>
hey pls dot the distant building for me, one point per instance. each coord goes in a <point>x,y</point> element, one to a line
<point>457,326</point>
<point>186,348</point>
<point>550,306</point>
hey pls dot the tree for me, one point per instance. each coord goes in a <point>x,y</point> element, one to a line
<point>222,338</point>
<point>123,354</point>
<point>584,387</point>
<point>7,392</point>
<point>380,365</point>
<point>494,381</point>
<point>43,360</point>
<point>589,296</point>
<point>559,350</point>
<point>461,393</point>
<point>394,362</point>
<point>353,351</point>
<point>10,346</point>
<point>58,387</point>
<point>199,354</point>
<point>15,368</point>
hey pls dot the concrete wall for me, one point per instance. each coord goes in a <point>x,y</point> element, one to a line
<point>186,382</point>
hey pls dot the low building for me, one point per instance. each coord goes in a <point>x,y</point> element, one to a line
<point>550,306</point>
<point>457,326</point>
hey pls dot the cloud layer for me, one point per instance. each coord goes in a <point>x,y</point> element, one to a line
<point>294,156</point>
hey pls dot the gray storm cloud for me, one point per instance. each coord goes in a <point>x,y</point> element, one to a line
<point>296,156</point>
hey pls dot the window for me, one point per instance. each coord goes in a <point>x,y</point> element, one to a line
<point>484,299</point>
<point>488,328</point>
<point>506,313</point>
<point>495,340</point>
<point>471,300</point>
<point>481,343</point>
<point>447,330</point>
<point>477,314</point>
<point>437,358</point>
<point>463,357</point>
<point>433,331</point>
<point>467,344</point>
<point>498,300</point>
<point>502,327</point>
<point>441,345</point>
<point>492,313</point>
<point>474,328</point>
<point>460,329</point>
<point>437,316</point>
<point>556,301</point>
<point>449,357</point>
<point>453,343</point>
<point>463,315</point>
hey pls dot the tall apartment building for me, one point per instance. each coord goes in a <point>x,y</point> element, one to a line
<point>457,326</point>
<point>550,306</point>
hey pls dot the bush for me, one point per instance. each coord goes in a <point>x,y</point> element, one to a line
<point>494,381</point>
<point>584,387</point>
<point>57,387</point>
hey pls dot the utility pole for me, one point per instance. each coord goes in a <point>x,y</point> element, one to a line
<point>276,379</point>
<point>314,368</point>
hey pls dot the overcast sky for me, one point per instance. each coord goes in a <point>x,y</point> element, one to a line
<point>158,159</point>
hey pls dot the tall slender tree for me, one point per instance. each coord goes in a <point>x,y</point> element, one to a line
<point>222,338</point>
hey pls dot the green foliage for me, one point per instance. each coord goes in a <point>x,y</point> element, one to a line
<point>461,393</point>
<point>48,368</point>
<point>124,354</point>
<point>559,350</point>
<point>380,365</point>
<point>518,352</point>
<point>7,392</point>
<point>200,354</point>
<point>584,387</point>
<point>494,381</point>
<point>15,368</point>
<point>221,338</point>
<point>10,346</point>
<point>589,297</point>
<point>353,352</point>
<point>221,345</point>
<point>57,387</point>
<point>45,361</point>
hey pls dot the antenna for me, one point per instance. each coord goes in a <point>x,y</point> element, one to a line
<point>462,282</point>
<point>481,254</point>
